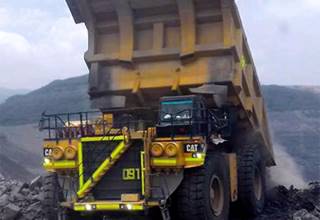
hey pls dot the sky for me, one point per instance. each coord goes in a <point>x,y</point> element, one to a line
<point>39,41</point>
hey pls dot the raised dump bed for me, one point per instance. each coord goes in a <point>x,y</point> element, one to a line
<point>143,50</point>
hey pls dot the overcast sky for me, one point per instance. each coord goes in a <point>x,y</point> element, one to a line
<point>39,41</point>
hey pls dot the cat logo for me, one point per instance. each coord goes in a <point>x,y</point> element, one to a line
<point>194,148</point>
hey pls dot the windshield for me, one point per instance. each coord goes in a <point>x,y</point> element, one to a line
<point>176,110</point>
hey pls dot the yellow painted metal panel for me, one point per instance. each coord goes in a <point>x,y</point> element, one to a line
<point>125,18</point>
<point>188,27</point>
<point>195,160</point>
<point>80,158</point>
<point>158,36</point>
<point>232,160</point>
<point>191,162</point>
<point>178,138</point>
<point>143,170</point>
<point>118,150</point>
<point>130,197</point>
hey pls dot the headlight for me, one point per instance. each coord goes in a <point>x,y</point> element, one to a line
<point>57,153</point>
<point>47,161</point>
<point>171,150</point>
<point>70,152</point>
<point>156,149</point>
<point>129,207</point>
<point>88,207</point>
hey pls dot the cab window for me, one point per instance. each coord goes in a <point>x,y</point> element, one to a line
<point>179,110</point>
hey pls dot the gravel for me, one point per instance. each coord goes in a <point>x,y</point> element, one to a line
<point>20,201</point>
<point>293,204</point>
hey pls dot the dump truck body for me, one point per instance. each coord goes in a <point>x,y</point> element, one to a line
<point>180,103</point>
<point>143,50</point>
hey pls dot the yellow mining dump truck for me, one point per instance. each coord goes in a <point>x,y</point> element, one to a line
<point>182,126</point>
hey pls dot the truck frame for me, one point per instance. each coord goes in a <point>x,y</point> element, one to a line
<point>181,128</point>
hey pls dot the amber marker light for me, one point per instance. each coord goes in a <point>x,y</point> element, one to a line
<point>70,152</point>
<point>171,150</point>
<point>57,153</point>
<point>156,149</point>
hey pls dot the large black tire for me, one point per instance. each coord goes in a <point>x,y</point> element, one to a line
<point>53,195</point>
<point>251,181</point>
<point>153,214</point>
<point>204,193</point>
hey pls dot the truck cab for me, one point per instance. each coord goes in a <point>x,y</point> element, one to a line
<point>190,116</point>
<point>182,116</point>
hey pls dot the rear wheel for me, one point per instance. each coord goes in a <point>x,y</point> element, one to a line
<point>251,181</point>
<point>153,214</point>
<point>204,192</point>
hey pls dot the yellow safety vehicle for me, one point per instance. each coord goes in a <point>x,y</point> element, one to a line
<point>181,126</point>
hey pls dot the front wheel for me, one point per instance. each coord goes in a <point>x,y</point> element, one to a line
<point>53,196</point>
<point>204,193</point>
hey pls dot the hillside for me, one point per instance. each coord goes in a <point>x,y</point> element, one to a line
<point>295,98</point>
<point>59,96</point>
<point>70,95</point>
<point>16,162</point>
<point>294,114</point>
<point>6,93</point>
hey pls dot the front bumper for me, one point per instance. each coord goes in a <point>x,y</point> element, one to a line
<point>101,206</point>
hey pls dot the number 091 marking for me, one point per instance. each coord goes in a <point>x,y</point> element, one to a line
<point>131,174</point>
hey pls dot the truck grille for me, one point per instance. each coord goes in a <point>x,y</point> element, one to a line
<point>114,183</point>
<point>94,153</point>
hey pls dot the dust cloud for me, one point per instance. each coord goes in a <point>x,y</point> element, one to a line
<point>287,172</point>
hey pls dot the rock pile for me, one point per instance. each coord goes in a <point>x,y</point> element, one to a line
<point>23,202</point>
<point>20,201</point>
<point>293,204</point>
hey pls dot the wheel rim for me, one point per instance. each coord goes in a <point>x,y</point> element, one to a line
<point>257,184</point>
<point>216,195</point>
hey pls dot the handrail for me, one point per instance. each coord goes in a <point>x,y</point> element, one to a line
<point>60,126</point>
